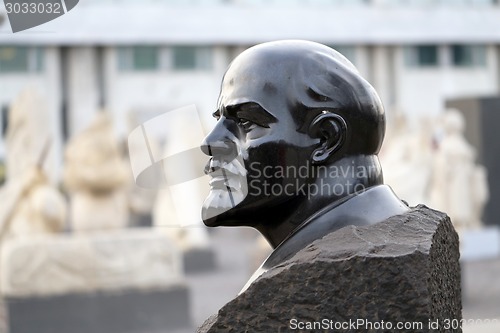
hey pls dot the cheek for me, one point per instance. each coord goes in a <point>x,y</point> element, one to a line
<point>277,149</point>
<point>269,158</point>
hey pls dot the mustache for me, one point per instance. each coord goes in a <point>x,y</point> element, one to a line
<point>234,167</point>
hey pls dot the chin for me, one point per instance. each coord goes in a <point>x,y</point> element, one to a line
<point>219,203</point>
<point>217,218</point>
<point>209,221</point>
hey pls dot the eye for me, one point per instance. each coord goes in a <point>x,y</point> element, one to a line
<point>246,124</point>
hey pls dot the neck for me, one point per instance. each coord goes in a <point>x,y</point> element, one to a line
<point>332,185</point>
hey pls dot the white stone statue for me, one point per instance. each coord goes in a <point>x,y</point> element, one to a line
<point>458,186</point>
<point>101,256</point>
<point>406,158</point>
<point>27,132</point>
<point>32,206</point>
<point>30,203</point>
<point>96,177</point>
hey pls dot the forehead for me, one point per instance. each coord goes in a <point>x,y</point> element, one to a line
<point>285,75</point>
<point>260,79</point>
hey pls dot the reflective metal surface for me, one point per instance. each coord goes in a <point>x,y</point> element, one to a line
<point>295,144</point>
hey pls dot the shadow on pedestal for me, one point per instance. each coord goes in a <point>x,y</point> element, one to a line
<point>199,260</point>
<point>131,311</point>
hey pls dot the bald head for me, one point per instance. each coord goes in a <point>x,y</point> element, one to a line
<point>307,78</point>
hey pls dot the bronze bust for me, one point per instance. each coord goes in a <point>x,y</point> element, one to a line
<point>294,150</point>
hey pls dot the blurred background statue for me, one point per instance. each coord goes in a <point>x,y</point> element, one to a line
<point>30,203</point>
<point>406,158</point>
<point>459,185</point>
<point>96,177</point>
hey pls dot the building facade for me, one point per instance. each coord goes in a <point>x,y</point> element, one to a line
<point>138,59</point>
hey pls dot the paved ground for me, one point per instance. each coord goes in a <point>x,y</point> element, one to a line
<point>210,291</point>
<point>481,295</point>
<point>235,247</point>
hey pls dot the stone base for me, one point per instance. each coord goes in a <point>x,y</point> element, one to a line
<point>141,220</point>
<point>124,281</point>
<point>199,260</point>
<point>127,259</point>
<point>132,311</point>
<point>3,318</point>
<point>403,270</point>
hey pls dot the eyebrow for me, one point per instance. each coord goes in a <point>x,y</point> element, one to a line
<point>251,111</point>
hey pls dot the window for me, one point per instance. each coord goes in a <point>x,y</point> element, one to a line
<point>4,114</point>
<point>468,55</point>
<point>421,56</point>
<point>151,58</point>
<point>427,55</point>
<point>20,59</point>
<point>184,57</point>
<point>138,58</point>
<point>191,57</point>
<point>145,57</point>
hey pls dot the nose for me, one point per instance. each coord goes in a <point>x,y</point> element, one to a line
<point>220,141</point>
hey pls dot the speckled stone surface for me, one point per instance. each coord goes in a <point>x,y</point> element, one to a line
<point>404,269</point>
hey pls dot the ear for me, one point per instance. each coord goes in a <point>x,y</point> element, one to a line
<point>331,129</point>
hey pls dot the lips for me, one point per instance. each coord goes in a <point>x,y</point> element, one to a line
<point>219,181</point>
<point>224,179</point>
<point>225,175</point>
